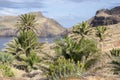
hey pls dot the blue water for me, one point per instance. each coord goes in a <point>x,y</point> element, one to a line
<point>4,40</point>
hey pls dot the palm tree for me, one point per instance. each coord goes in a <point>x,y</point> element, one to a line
<point>101,32</point>
<point>26,38</point>
<point>115,60</point>
<point>23,43</point>
<point>26,22</point>
<point>81,51</point>
<point>26,41</point>
<point>83,29</point>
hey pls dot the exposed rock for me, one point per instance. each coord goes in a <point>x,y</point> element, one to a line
<point>91,78</point>
<point>106,17</point>
<point>34,75</point>
<point>46,27</point>
<point>13,78</point>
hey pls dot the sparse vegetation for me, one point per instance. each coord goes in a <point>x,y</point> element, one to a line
<point>25,43</point>
<point>73,56</point>
<point>82,29</point>
<point>101,32</point>
<point>5,64</point>
<point>115,60</point>
<point>5,70</point>
<point>6,58</point>
<point>81,51</point>
<point>63,68</point>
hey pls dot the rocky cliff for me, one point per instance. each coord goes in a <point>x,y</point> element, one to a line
<point>46,27</point>
<point>106,17</point>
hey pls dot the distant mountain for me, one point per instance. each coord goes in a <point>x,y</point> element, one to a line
<point>106,17</point>
<point>46,27</point>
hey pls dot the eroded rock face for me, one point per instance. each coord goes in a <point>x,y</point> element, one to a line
<point>106,17</point>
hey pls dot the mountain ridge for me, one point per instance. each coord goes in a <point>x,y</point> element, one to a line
<point>106,17</point>
<point>47,27</point>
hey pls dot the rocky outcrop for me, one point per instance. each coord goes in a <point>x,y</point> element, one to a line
<point>46,27</point>
<point>106,17</point>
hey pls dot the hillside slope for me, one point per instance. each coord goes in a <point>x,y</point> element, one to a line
<point>46,27</point>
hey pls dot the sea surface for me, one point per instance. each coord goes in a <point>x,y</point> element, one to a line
<point>5,40</point>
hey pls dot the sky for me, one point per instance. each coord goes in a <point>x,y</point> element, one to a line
<point>66,12</point>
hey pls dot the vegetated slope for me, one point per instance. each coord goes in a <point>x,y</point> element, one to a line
<point>111,20</point>
<point>104,17</point>
<point>46,27</point>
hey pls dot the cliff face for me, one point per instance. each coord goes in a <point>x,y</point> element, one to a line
<point>106,17</point>
<point>46,27</point>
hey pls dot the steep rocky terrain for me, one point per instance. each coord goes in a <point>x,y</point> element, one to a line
<point>45,26</point>
<point>106,17</point>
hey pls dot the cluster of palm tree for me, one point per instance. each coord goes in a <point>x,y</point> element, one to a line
<point>84,29</point>
<point>78,51</point>
<point>83,50</point>
<point>101,31</point>
<point>24,45</point>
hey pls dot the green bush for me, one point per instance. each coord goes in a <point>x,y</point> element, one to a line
<point>6,58</point>
<point>25,43</point>
<point>6,70</point>
<point>84,51</point>
<point>82,29</point>
<point>28,63</point>
<point>32,60</point>
<point>101,32</point>
<point>115,60</point>
<point>63,68</point>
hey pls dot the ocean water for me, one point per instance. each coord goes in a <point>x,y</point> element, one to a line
<point>5,40</point>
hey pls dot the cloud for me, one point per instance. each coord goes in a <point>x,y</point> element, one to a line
<point>21,4</point>
<point>83,0</point>
<point>7,11</point>
<point>15,7</point>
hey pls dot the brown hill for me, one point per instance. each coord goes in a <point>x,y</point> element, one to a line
<point>106,17</point>
<point>46,27</point>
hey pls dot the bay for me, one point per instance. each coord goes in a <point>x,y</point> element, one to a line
<point>4,40</point>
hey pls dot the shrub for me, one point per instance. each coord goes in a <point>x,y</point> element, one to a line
<point>84,51</point>
<point>101,32</point>
<point>28,63</point>
<point>82,29</point>
<point>63,68</point>
<point>5,61</point>
<point>115,60</point>
<point>22,44</point>
<point>32,60</point>
<point>6,58</point>
<point>25,42</point>
<point>6,70</point>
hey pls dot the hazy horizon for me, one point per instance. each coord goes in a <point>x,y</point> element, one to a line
<point>66,12</point>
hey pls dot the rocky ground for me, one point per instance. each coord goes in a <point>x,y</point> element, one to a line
<point>102,71</point>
